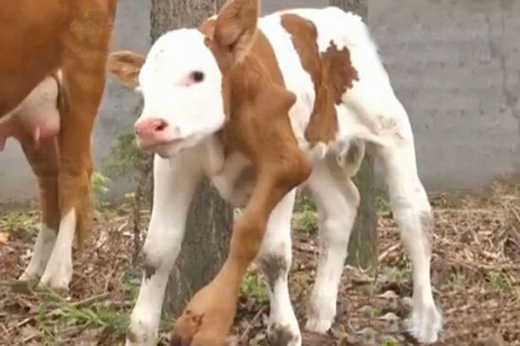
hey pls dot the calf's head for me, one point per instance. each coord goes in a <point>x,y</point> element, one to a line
<point>181,82</point>
<point>194,80</point>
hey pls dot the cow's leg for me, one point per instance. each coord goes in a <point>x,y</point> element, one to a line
<point>84,59</point>
<point>414,217</point>
<point>175,183</point>
<point>44,163</point>
<point>337,200</point>
<point>373,113</point>
<point>275,262</point>
<point>208,316</point>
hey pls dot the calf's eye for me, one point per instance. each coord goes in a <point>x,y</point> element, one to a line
<point>197,76</point>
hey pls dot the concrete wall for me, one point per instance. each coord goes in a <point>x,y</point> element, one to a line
<point>455,65</point>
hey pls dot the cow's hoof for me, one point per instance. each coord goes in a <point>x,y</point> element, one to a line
<point>141,333</point>
<point>322,312</point>
<point>57,276</point>
<point>284,336</point>
<point>318,326</point>
<point>207,318</point>
<point>425,324</point>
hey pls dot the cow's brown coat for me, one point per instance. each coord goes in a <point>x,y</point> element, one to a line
<point>332,74</point>
<point>40,37</point>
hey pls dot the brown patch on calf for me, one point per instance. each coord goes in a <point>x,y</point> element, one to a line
<point>338,71</point>
<point>332,74</point>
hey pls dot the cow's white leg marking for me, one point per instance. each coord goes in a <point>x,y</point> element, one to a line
<point>175,183</point>
<point>58,272</point>
<point>275,262</point>
<point>41,253</point>
<point>414,217</point>
<point>337,199</point>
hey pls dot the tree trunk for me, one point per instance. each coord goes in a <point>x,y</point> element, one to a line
<point>208,229</point>
<point>363,242</point>
<point>357,6</point>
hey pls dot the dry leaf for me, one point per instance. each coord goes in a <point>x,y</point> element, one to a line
<point>4,238</point>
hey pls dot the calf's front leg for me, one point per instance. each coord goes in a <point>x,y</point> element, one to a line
<point>209,315</point>
<point>175,183</point>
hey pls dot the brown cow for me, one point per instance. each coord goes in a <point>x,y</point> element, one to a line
<point>52,77</point>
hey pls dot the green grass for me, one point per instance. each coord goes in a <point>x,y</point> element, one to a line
<point>501,283</point>
<point>24,224</point>
<point>383,204</point>
<point>253,287</point>
<point>124,157</point>
<point>396,273</point>
<point>389,342</point>
<point>58,319</point>
<point>100,184</point>
<point>306,222</point>
<point>130,284</point>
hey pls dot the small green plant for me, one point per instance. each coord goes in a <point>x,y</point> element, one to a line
<point>383,204</point>
<point>305,217</point>
<point>304,203</point>
<point>501,283</point>
<point>100,185</point>
<point>57,318</point>
<point>389,342</point>
<point>253,287</point>
<point>18,220</point>
<point>306,222</point>
<point>458,278</point>
<point>396,273</point>
<point>124,157</point>
<point>372,288</point>
<point>130,283</point>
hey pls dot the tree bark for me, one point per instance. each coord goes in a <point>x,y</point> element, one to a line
<point>208,230</point>
<point>363,241</point>
<point>357,6</point>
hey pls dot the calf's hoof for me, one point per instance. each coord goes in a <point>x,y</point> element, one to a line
<point>141,333</point>
<point>207,318</point>
<point>425,324</point>
<point>284,336</point>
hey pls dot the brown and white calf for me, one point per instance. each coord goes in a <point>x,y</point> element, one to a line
<point>52,76</point>
<point>262,107</point>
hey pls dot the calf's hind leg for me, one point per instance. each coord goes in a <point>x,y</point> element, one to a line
<point>413,215</point>
<point>275,262</point>
<point>337,200</point>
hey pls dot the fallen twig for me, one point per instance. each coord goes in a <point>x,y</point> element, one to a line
<point>250,325</point>
<point>90,300</point>
<point>387,252</point>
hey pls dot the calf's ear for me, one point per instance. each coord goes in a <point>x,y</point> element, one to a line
<point>236,26</point>
<point>126,65</point>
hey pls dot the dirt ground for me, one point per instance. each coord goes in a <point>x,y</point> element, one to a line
<point>476,275</point>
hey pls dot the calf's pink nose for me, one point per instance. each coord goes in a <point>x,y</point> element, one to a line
<point>150,127</point>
